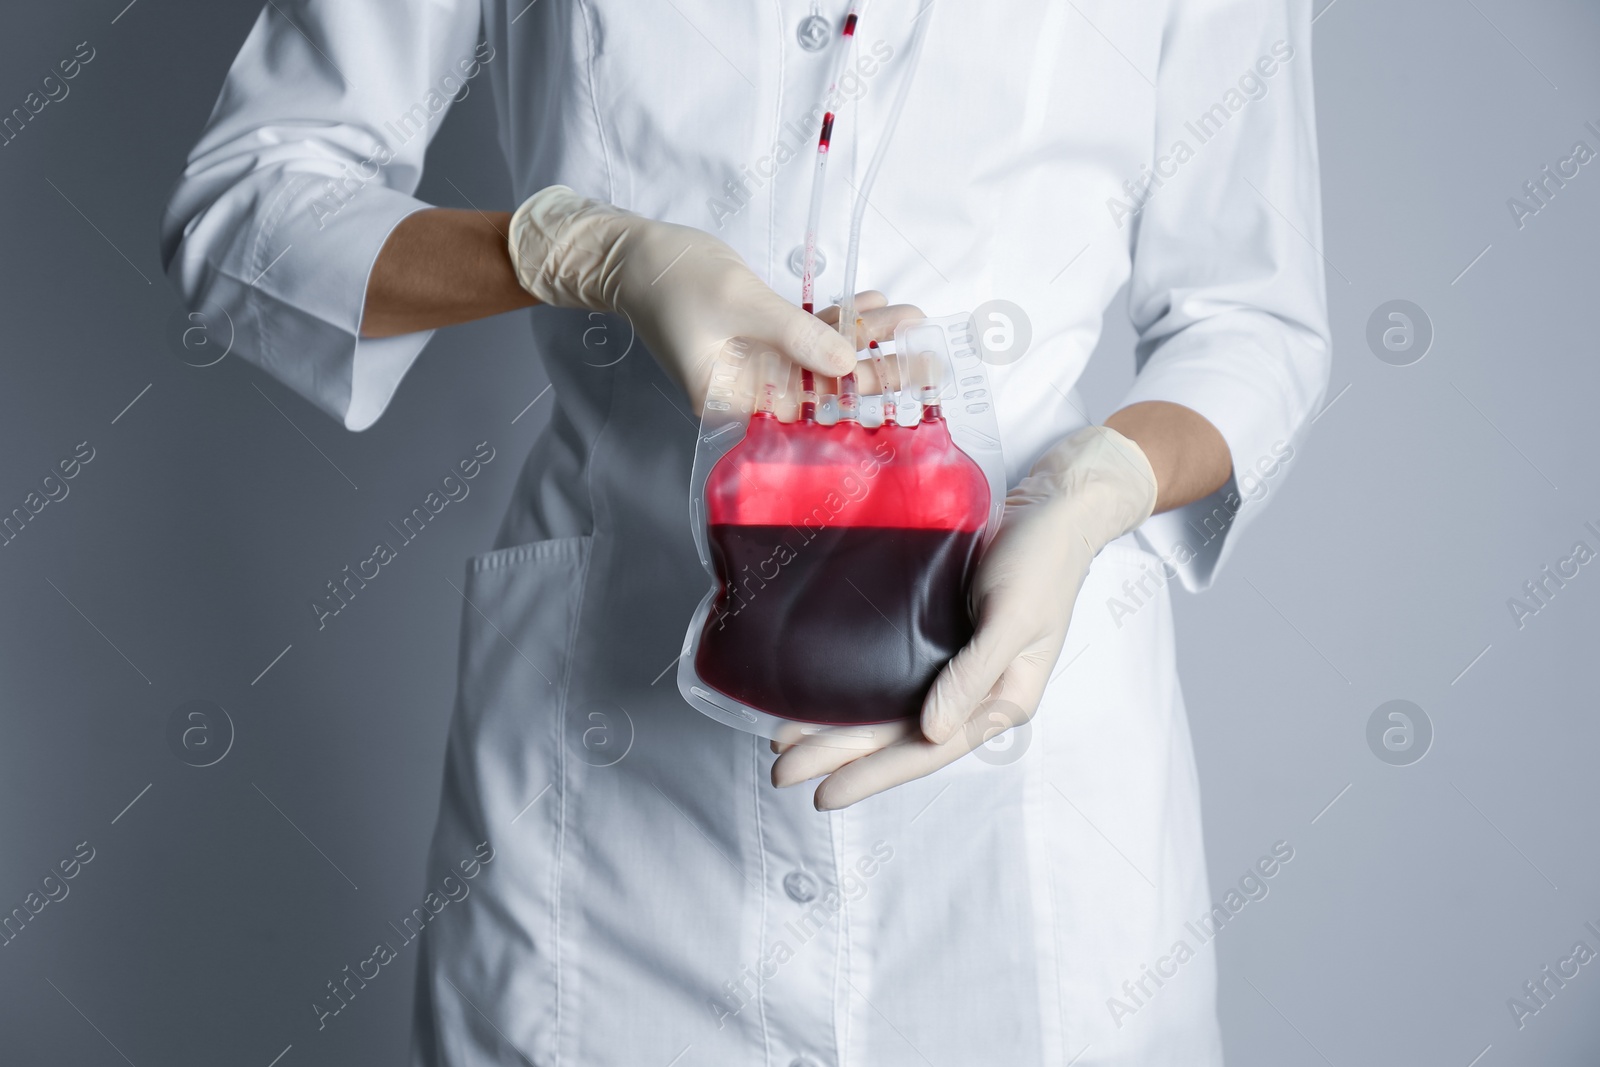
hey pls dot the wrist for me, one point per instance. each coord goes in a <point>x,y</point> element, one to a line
<point>563,248</point>
<point>1100,482</point>
<point>1190,457</point>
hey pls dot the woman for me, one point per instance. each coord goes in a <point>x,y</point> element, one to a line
<point>661,901</point>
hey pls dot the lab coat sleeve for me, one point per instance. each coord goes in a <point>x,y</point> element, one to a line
<point>306,165</point>
<point>1227,292</point>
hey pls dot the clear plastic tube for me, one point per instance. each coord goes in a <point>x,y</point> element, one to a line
<point>847,298</point>
<point>849,399</point>
<point>808,273</point>
<point>885,389</point>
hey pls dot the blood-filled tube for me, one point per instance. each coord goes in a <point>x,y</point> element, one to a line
<point>808,272</point>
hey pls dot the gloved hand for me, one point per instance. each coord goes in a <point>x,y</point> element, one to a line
<point>685,292</point>
<point>1088,490</point>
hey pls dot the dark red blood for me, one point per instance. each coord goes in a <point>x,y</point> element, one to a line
<point>849,626</point>
<point>844,555</point>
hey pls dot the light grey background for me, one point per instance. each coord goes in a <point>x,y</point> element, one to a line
<point>182,561</point>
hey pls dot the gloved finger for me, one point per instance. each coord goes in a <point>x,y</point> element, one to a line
<point>808,762</point>
<point>915,758</point>
<point>1014,700</point>
<point>879,324</point>
<point>802,762</point>
<point>768,318</point>
<point>965,681</point>
<point>876,320</point>
<point>895,765</point>
<point>866,300</point>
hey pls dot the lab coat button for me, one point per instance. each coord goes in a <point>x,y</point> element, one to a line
<point>813,33</point>
<point>797,262</point>
<point>802,889</point>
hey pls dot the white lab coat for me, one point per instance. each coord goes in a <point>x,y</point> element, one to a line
<point>671,903</point>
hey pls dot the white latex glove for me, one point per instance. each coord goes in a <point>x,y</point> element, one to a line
<point>1088,490</point>
<point>685,292</point>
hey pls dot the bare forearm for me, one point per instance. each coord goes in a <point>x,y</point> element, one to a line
<point>440,267</point>
<point>1189,456</point>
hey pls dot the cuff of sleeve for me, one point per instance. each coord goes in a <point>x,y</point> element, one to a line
<point>312,259</point>
<point>1236,377</point>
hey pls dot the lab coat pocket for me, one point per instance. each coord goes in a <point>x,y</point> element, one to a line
<point>518,621</point>
<point>499,950</point>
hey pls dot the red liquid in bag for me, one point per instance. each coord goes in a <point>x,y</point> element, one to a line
<point>844,555</point>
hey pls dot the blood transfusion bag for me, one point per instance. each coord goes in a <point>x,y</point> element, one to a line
<point>840,546</point>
